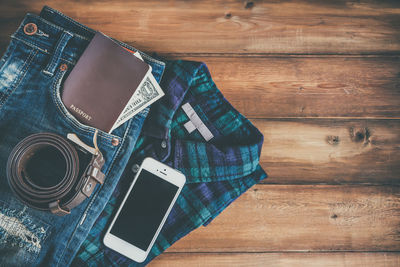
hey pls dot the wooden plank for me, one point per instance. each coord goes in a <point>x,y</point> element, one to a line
<point>277,259</point>
<point>275,87</point>
<point>279,218</point>
<point>305,27</point>
<point>330,151</point>
<point>280,87</point>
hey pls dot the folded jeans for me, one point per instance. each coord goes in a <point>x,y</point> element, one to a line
<point>40,55</point>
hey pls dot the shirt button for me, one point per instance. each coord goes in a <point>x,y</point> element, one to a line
<point>115,142</point>
<point>164,144</point>
<point>135,168</point>
<point>30,29</point>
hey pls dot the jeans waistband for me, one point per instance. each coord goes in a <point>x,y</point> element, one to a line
<point>51,28</point>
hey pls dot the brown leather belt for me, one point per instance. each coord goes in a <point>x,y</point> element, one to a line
<point>77,184</point>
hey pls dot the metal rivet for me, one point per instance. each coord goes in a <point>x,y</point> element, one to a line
<point>115,142</point>
<point>135,168</point>
<point>63,67</point>
<point>164,144</point>
<point>30,29</point>
<point>88,186</point>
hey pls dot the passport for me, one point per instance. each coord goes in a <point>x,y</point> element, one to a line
<point>102,83</point>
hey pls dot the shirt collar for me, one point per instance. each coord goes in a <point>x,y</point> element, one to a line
<point>235,149</point>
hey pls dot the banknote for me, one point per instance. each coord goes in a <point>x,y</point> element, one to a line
<point>147,93</point>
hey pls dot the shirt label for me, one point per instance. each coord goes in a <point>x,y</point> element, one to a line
<point>190,126</point>
<point>196,123</point>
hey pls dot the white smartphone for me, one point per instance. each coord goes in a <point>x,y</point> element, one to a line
<point>144,209</point>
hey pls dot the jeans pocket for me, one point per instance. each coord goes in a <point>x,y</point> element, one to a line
<point>21,235</point>
<point>61,109</point>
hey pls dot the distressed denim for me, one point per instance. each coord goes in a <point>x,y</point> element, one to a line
<point>30,84</point>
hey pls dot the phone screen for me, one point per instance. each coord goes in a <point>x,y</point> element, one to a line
<point>144,209</point>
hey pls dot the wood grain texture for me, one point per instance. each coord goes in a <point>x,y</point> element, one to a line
<point>280,87</point>
<point>277,259</point>
<point>330,151</point>
<point>258,27</point>
<point>321,80</point>
<point>303,218</point>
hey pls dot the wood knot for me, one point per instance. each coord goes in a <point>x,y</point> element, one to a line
<point>228,15</point>
<point>333,140</point>
<point>334,216</point>
<point>361,135</point>
<point>248,4</point>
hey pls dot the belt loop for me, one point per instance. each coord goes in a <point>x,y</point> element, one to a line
<point>55,59</point>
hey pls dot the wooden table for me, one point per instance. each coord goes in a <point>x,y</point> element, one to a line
<point>321,80</point>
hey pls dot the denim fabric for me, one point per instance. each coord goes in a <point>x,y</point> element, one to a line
<point>217,171</point>
<point>30,84</point>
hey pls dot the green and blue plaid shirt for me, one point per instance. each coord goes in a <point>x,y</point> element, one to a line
<point>217,171</point>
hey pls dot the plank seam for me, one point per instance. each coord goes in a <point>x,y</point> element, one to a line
<point>289,252</point>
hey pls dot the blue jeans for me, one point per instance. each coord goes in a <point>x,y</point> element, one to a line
<point>30,84</point>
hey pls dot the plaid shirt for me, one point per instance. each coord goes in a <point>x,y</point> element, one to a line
<point>217,171</point>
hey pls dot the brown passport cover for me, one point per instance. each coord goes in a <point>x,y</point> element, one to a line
<point>102,82</point>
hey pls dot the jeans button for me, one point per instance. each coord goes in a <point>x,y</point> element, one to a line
<point>115,142</point>
<point>63,67</point>
<point>30,29</point>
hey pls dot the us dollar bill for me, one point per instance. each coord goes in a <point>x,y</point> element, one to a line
<point>147,93</point>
